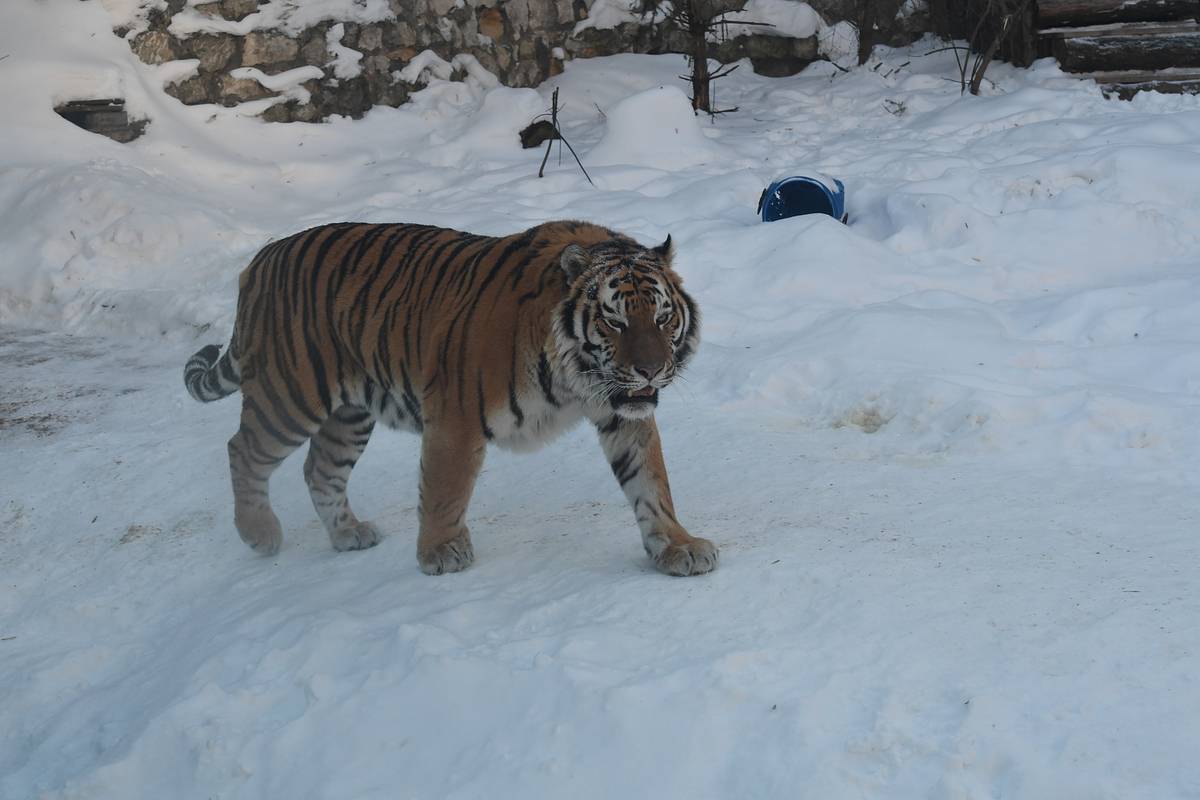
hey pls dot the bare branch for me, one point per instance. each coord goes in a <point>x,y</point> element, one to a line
<point>550,142</point>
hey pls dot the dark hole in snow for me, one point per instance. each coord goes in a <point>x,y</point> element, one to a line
<point>106,117</point>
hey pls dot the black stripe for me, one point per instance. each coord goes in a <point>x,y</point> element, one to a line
<point>624,467</point>
<point>309,312</point>
<point>487,432</point>
<point>546,379</point>
<point>353,417</point>
<point>410,400</point>
<point>513,405</point>
<point>568,318</point>
<point>226,368</point>
<point>268,425</point>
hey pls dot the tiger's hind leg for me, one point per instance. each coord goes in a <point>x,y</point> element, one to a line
<point>332,453</point>
<point>261,444</point>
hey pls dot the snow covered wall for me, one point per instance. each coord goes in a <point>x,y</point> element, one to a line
<point>304,61</point>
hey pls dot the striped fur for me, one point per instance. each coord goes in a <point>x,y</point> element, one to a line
<point>208,377</point>
<point>465,340</point>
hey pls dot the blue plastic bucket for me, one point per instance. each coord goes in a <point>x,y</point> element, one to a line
<point>798,194</point>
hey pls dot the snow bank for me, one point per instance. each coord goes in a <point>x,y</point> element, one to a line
<point>287,83</point>
<point>605,14</point>
<point>425,65</point>
<point>132,14</point>
<point>655,128</point>
<point>289,16</point>
<point>774,18</point>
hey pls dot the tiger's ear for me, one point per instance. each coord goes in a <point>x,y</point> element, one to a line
<point>666,250</point>
<point>575,261</point>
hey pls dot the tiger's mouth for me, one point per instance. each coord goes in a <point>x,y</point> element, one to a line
<point>647,394</point>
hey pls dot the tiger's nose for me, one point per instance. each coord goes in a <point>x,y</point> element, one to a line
<point>647,372</point>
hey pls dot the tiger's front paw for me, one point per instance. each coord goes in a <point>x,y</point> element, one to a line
<point>693,557</point>
<point>261,530</point>
<point>451,556</point>
<point>356,537</point>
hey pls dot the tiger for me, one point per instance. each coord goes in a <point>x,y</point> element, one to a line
<point>466,340</point>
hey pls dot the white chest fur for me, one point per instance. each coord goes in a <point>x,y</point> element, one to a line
<point>539,422</point>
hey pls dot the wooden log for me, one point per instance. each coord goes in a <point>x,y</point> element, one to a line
<point>1084,55</point>
<point>1126,91</point>
<point>1118,53</point>
<point>1053,13</point>
<point>1121,29</point>
<point>1143,75</point>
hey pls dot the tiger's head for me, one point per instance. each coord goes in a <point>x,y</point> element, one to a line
<point>627,327</point>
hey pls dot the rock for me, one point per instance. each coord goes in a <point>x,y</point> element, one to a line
<point>370,38</point>
<point>193,91</point>
<point>402,55</point>
<point>503,58</point>
<point>215,51</point>
<point>350,34</point>
<point>268,48</point>
<point>233,90</point>
<point>491,23</point>
<point>376,65</point>
<point>401,34</point>
<point>775,56</point>
<point>314,50</point>
<point>277,113</point>
<point>595,42</point>
<point>155,47</point>
<point>306,112</point>
<point>537,133</point>
<point>487,59</point>
<point>350,99</point>
<point>238,9</point>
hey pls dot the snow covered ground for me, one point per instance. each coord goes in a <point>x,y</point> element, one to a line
<point>949,452</point>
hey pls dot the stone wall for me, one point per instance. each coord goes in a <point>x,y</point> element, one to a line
<point>224,54</point>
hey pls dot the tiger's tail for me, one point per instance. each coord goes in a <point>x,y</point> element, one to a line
<point>208,377</point>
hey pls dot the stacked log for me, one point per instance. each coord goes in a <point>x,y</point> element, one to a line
<point>1070,13</point>
<point>1125,45</point>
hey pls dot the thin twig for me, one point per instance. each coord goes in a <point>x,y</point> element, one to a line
<point>954,47</point>
<point>577,161</point>
<point>554,122</point>
<point>563,140</point>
